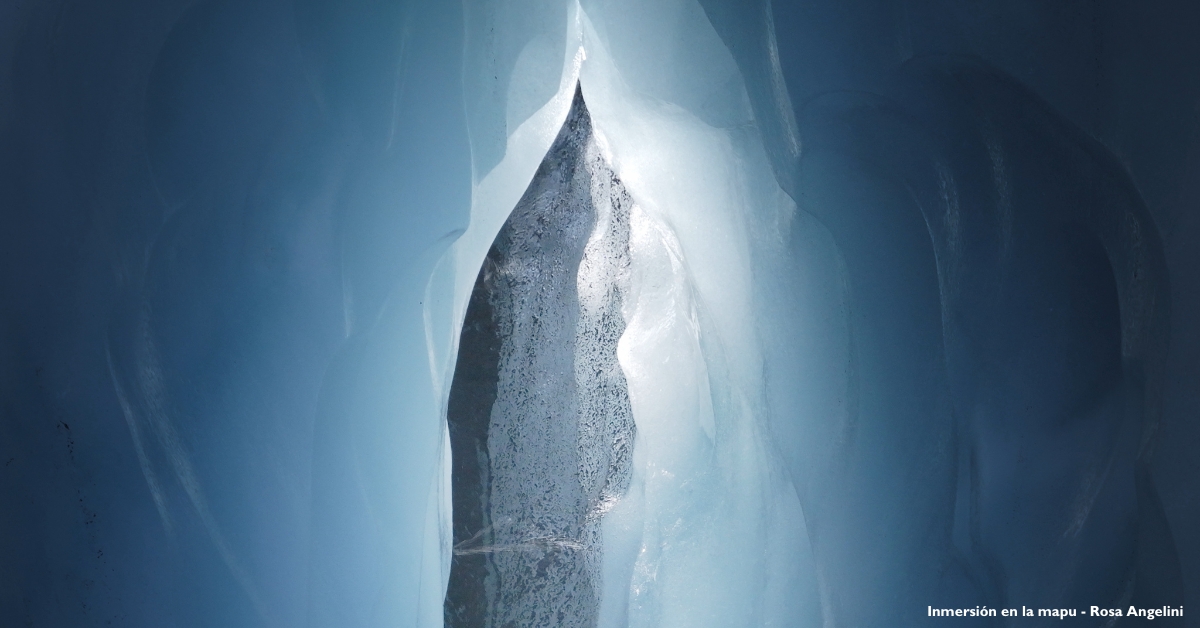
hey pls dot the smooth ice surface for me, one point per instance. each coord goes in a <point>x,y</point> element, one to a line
<point>710,533</point>
<point>912,318</point>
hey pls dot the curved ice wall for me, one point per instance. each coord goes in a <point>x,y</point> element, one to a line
<point>896,335</point>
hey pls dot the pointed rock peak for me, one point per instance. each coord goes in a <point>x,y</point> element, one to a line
<point>540,422</point>
<point>577,103</point>
<point>578,125</point>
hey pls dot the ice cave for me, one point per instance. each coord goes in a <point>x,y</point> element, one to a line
<point>599,313</point>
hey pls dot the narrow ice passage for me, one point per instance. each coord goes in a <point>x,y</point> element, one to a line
<point>612,464</point>
<point>624,290</point>
<point>826,313</point>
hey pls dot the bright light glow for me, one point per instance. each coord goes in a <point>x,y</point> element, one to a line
<point>711,531</point>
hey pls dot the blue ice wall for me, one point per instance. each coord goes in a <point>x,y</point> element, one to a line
<point>1010,443</point>
<point>219,222</point>
<point>222,377</point>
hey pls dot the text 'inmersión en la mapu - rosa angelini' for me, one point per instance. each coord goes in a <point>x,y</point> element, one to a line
<point>1061,613</point>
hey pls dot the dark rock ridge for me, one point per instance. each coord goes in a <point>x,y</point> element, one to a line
<point>540,424</point>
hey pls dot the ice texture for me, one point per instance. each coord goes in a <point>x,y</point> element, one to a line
<point>908,307</point>
<point>711,532</point>
<point>1007,304</point>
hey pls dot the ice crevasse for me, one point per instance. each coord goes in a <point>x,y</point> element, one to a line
<point>671,219</point>
<point>594,312</point>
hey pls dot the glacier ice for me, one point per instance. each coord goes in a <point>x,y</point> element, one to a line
<point>881,305</point>
<point>708,530</point>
